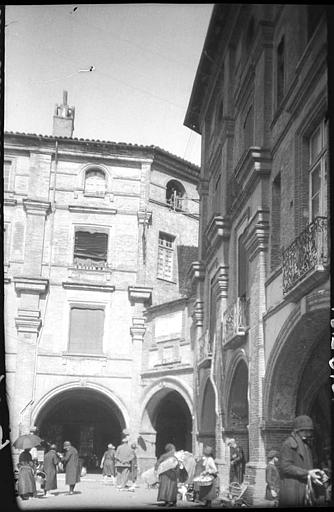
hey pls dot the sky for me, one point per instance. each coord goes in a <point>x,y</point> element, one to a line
<point>145,58</point>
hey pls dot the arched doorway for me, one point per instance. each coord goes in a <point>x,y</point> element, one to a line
<point>207,416</point>
<point>168,414</point>
<point>237,411</point>
<point>85,417</point>
<point>173,423</point>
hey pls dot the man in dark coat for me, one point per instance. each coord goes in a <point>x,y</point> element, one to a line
<point>51,461</point>
<point>237,462</point>
<point>71,464</point>
<point>296,464</point>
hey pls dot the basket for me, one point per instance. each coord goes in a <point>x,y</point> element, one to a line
<point>235,489</point>
<point>204,481</point>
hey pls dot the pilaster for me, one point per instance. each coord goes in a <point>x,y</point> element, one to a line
<point>256,242</point>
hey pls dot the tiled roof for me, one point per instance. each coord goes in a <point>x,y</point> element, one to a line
<point>124,144</point>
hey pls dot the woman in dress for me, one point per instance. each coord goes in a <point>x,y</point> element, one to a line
<point>26,479</point>
<point>167,467</point>
<point>206,467</point>
<point>108,463</point>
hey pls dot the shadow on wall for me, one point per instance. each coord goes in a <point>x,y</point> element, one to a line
<point>186,254</point>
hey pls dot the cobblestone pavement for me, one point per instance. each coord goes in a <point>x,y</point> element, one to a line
<point>92,493</point>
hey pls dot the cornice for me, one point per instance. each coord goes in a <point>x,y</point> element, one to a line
<point>220,282</point>
<point>257,233</point>
<point>140,293</point>
<point>91,209</point>
<point>36,206</point>
<point>196,271</point>
<point>28,321</point>
<point>30,284</point>
<point>138,329</point>
<point>217,230</point>
<point>71,285</point>
<point>198,313</point>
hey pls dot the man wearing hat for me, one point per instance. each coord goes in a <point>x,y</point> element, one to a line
<point>272,476</point>
<point>296,464</point>
<point>71,464</point>
<point>123,457</point>
<point>51,460</point>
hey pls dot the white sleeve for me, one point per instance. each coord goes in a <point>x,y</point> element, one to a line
<point>211,466</point>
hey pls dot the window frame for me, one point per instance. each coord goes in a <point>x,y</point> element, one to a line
<point>87,305</point>
<point>92,228</point>
<point>319,161</point>
<point>166,250</point>
<point>96,193</point>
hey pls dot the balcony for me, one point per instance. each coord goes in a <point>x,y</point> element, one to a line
<point>204,351</point>
<point>235,321</point>
<point>305,261</point>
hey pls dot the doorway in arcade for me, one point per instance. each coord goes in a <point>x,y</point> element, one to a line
<point>86,418</point>
<point>173,423</point>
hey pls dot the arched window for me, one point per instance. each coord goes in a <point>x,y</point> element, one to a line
<point>95,182</point>
<point>175,195</point>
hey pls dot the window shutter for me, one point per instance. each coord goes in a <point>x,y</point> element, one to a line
<point>86,330</point>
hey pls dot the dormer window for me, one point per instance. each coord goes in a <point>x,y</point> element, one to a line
<point>95,183</point>
<point>175,195</point>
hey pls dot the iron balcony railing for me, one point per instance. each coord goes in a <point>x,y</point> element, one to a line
<point>88,264</point>
<point>308,252</point>
<point>235,319</point>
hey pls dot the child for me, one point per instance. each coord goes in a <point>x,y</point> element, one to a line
<point>272,477</point>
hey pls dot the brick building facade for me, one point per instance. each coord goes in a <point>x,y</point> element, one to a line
<point>97,238</point>
<point>261,313</point>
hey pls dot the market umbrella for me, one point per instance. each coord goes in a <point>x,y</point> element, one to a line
<point>27,441</point>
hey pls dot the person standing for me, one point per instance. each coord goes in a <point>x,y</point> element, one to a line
<point>50,464</point>
<point>272,477</point>
<point>134,467</point>
<point>71,464</point>
<point>167,467</point>
<point>26,479</point>
<point>237,462</point>
<point>296,464</point>
<point>206,467</point>
<point>108,463</point>
<point>123,458</point>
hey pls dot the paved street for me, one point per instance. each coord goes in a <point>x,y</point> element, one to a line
<point>92,493</point>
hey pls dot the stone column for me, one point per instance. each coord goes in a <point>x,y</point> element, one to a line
<point>257,244</point>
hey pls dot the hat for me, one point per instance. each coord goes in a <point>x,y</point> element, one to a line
<point>272,454</point>
<point>231,441</point>
<point>303,422</point>
<point>66,443</point>
<point>207,450</point>
<point>53,447</point>
<point>110,445</point>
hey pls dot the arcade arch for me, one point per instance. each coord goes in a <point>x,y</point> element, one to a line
<point>86,417</point>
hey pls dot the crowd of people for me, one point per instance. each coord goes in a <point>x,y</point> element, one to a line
<point>291,478</point>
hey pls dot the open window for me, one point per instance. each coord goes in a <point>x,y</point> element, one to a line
<point>90,249</point>
<point>175,195</point>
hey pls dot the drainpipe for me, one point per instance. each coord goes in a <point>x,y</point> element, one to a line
<point>50,260</point>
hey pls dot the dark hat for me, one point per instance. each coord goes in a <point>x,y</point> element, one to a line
<point>303,422</point>
<point>207,450</point>
<point>272,454</point>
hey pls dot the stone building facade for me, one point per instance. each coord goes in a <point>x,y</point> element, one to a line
<point>97,238</point>
<point>261,313</point>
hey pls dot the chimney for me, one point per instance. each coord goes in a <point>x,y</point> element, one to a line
<point>63,119</point>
